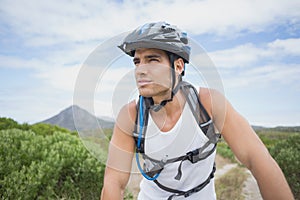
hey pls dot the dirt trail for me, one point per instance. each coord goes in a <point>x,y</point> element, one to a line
<point>250,191</point>
<point>221,171</point>
<point>134,181</point>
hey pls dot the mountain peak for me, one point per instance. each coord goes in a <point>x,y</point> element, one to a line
<point>77,118</point>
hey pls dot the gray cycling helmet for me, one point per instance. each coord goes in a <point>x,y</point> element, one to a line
<point>160,35</point>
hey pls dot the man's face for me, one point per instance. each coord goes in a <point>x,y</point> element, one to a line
<point>152,72</point>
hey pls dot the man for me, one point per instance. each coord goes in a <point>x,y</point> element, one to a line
<point>178,151</point>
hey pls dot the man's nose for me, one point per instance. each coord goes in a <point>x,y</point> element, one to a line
<point>142,69</point>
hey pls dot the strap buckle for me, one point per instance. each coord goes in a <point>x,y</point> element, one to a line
<point>188,193</point>
<point>193,156</point>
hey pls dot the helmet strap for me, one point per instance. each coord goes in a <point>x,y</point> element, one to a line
<point>174,90</point>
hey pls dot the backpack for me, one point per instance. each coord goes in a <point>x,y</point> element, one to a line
<point>153,167</point>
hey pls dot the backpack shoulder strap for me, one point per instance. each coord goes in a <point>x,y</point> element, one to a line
<point>140,147</point>
<point>198,110</point>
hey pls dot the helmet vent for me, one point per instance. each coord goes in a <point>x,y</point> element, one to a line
<point>167,28</point>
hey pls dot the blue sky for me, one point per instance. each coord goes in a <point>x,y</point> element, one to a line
<point>255,45</point>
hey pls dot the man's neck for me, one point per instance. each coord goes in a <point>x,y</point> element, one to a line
<point>168,115</point>
<point>174,106</point>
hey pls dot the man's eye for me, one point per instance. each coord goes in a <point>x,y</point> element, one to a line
<point>154,60</point>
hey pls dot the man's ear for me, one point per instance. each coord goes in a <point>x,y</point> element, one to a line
<point>179,65</point>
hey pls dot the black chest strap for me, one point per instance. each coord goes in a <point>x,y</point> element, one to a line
<point>187,192</point>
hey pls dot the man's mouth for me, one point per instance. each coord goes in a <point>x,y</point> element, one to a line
<point>143,82</point>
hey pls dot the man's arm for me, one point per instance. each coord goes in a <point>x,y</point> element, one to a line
<point>246,146</point>
<point>120,155</point>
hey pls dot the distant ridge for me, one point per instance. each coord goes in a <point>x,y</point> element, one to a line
<point>278,128</point>
<point>258,128</point>
<point>84,120</point>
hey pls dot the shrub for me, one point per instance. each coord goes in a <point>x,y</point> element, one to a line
<point>7,123</point>
<point>224,150</point>
<point>47,129</point>
<point>39,128</point>
<point>55,166</point>
<point>287,155</point>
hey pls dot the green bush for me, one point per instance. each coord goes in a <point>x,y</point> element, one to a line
<point>271,137</point>
<point>39,166</point>
<point>39,128</point>
<point>224,150</point>
<point>287,155</point>
<point>8,123</point>
<point>46,129</point>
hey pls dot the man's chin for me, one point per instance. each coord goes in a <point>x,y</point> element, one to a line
<point>145,93</point>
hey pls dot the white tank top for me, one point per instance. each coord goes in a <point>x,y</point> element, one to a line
<point>185,136</point>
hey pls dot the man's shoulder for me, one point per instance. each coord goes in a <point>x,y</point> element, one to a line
<point>205,93</point>
<point>211,98</point>
<point>129,108</point>
<point>126,117</point>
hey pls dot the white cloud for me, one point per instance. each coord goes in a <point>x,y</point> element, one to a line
<point>247,55</point>
<point>247,65</point>
<point>239,56</point>
<point>217,16</point>
<point>51,22</point>
<point>287,47</point>
<point>62,78</point>
<point>266,76</point>
<point>20,63</point>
